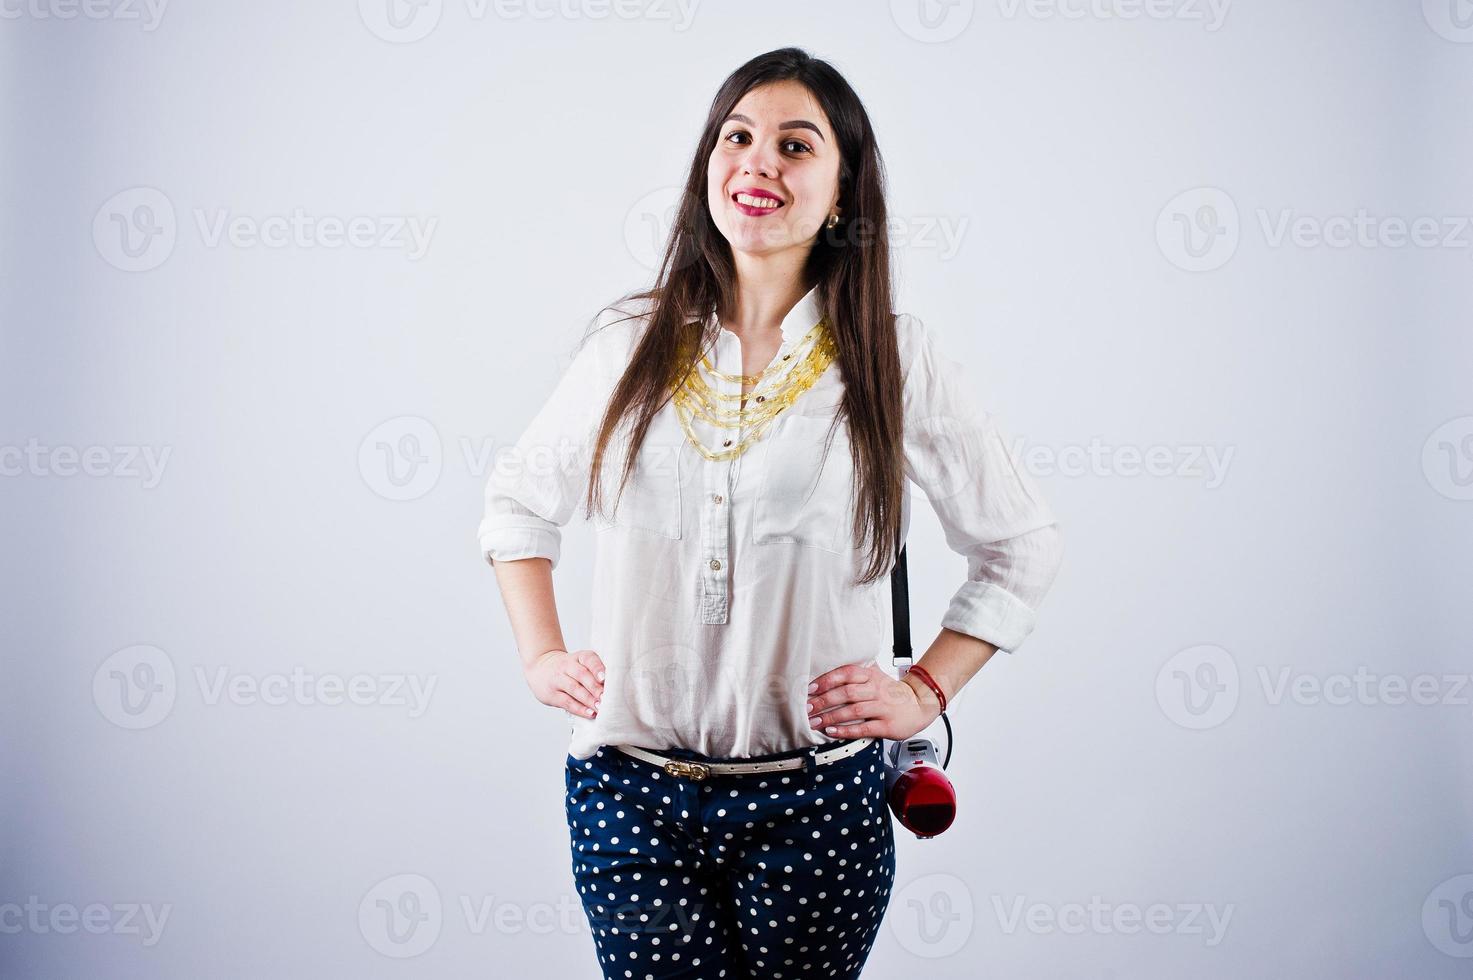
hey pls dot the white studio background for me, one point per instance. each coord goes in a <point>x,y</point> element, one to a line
<point>1210,262</point>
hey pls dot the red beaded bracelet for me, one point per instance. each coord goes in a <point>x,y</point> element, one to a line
<point>930,682</point>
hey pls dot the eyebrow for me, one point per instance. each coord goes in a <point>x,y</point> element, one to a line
<point>790,124</point>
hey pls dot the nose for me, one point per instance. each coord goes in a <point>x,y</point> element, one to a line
<point>760,163</point>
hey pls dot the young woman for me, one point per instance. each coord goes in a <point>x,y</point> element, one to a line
<point>725,786</point>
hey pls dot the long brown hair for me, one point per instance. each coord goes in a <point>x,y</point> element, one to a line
<point>850,265</point>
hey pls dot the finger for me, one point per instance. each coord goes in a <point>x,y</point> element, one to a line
<point>833,704</point>
<point>848,712</point>
<point>575,686</point>
<point>572,706</point>
<point>842,695</point>
<point>818,703</point>
<point>579,700</point>
<point>852,731</point>
<point>820,717</point>
<point>856,728</point>
<point>593,662</point>
<point>830,679</point>
<point>586,666</point>
<point>583,675</point>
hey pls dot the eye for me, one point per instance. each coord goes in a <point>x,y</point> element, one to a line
<point>802,147</point>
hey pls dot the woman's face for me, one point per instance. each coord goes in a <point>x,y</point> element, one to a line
<point>777,146</point>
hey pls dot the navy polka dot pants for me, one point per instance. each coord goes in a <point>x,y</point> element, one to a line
<point>772,875</point>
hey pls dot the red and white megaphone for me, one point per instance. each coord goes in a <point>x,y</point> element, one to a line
<point>917,788</point>
<point>916,785</point>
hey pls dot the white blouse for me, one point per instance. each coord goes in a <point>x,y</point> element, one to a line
<point>721,589</point>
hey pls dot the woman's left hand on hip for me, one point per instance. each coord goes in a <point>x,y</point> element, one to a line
<point>858,701</point>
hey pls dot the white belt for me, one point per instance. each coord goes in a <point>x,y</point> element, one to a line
<point>697,771</point>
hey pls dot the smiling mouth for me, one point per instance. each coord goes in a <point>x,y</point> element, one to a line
<point>753,204</point>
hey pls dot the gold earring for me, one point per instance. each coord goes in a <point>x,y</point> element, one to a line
<point>833,220</point>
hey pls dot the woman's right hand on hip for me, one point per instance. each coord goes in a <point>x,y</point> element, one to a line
<point>572,681</point>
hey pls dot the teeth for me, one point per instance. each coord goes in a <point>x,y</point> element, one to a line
<point>757,202</point>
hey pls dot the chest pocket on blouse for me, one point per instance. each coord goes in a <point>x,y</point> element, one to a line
<point>804,495</point>
<point>651,499</point>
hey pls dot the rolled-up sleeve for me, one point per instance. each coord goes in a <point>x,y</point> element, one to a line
<point>989,508</point>
<point>536,484</point>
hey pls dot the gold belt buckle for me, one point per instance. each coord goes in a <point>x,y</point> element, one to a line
<point>682,767</point>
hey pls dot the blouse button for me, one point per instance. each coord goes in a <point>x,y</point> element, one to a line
<point>715,562</point>
<point>727,443</point>
<point>762,398</point>
<point>716,497</point>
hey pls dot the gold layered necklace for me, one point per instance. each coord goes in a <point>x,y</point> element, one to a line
<point>697,398</point>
